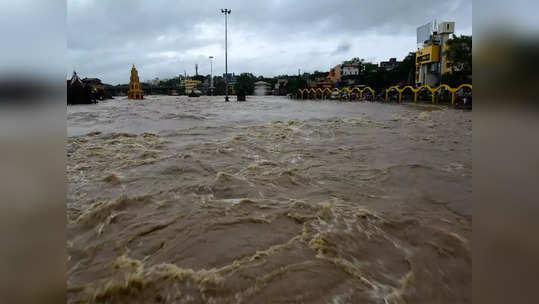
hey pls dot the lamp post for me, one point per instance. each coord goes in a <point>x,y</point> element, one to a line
<point>226,12</point>
<point>211,75</point>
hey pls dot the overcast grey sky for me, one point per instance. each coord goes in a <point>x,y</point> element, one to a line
<point>165,37</point>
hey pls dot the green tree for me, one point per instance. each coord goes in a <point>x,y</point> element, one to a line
<point>170,83</point>
<point>459,53</point>
<point>245,82</point>
<point>295,83</point>
<point>199,78</point>
<point>373,76</point>
<point>405,71</point>
<point>219,85</point>
<point>379,78</point>
<point>318,75</point>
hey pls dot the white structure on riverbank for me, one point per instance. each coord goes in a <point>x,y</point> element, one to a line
<point>262,88</point>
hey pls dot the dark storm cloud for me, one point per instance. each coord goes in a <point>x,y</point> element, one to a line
<point>164,38</point>
<point>342,48</point>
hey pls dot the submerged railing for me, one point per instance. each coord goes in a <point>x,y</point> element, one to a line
<point>323,93</point>
<point>305,93</point>
<point>426,87</point>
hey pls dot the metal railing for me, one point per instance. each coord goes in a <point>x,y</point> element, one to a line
<point>322,94</point>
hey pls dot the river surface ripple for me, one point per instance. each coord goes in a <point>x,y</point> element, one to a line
<point>193,200</point>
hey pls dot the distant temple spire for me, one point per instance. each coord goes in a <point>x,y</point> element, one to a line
<point>135,92</point>
<point>75,79</point>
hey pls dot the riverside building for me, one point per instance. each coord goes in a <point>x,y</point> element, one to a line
<point>431,62</point>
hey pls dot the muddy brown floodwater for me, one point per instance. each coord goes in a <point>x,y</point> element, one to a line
<point>193,200</point>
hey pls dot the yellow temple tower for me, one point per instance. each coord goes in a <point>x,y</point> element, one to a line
<point>135,91</point>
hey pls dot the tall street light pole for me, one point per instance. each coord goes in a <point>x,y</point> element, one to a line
<point>211,75</point>
<point>226,12</point>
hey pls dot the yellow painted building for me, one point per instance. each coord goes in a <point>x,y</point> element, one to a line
<point>446,64</point>
<point>428,54</point>
<point>431,63</point>
<point>191,85</point>
<point>135,92</point>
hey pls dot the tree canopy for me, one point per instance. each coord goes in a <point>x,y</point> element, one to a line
<point>459,53</point>
<point>245,82</point>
